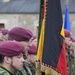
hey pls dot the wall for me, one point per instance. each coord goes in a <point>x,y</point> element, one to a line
<point>30,21</point>
<point>25,20</point>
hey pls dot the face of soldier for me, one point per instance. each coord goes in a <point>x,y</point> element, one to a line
<point>5,37</point>
<point>25,47</point>
<point>68,41</point>
<point>70,44</point>
<point>17,62</point>
<point>32,58</point>
<point>34,41</point>
<point>1,36</point>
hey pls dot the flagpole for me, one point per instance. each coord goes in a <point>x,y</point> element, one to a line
<point>67,2</point>
<point>40,17</point>
<point>40,38</point>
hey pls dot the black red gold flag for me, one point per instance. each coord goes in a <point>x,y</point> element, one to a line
<point>51,55</point>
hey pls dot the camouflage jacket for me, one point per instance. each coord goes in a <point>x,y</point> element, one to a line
<point>23,72</point>
<point>28,70</point>
<point>3,71</point>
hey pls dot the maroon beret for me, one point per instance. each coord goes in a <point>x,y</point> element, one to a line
<point>11,48</point>
<point>67,33</point>
<point>4,31</point>
<point>20,34</point>
<point>32,49</point>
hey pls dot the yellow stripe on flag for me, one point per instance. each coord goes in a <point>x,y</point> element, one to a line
<point>41,40</point>
<point>62,31</point>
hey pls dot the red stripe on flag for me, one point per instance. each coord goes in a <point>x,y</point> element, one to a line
<point>62,67</point>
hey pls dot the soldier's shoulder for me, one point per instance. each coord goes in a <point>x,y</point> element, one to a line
<point>3,72</point>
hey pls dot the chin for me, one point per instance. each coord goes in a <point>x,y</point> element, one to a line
<point>20,69</point>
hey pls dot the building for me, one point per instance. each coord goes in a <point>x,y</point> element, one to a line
<point>25,13</point>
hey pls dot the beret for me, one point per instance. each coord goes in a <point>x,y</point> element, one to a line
<point>11,48</point>
<point>67,33</point>
<point>20,34</point>
<point>4,31</point>
<point>32,49</point>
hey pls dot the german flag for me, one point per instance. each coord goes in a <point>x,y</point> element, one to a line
<point>51,55</point>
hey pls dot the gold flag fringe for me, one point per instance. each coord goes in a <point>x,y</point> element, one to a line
<point>41,67</point>
<point>49,70</point>
<point>38,68</point>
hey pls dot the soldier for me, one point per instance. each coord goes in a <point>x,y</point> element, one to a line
<point>5,34</point>
<point>24,36</point>
<point>69,51</point>
<point>32,51</point>
<point>11,57</point>
<point>1,37</point>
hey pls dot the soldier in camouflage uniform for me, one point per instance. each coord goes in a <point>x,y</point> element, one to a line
<point>10,54</point>
<point>24,36</point>
<point>69,51</point>
<point>32,51</point>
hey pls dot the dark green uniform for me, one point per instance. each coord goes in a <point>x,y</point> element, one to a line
<point>3,71</point>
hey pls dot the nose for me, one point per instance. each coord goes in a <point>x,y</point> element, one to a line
<point>22,60</point>
<point>30,44</point>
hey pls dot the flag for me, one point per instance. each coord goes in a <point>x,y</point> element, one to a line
<point>51,55</point>
<point>67,20</point>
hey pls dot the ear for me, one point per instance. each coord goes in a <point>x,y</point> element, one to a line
<point>7,59</point>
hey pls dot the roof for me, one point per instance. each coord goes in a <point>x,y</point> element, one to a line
<point>20,6</point>
<point>29,6</point>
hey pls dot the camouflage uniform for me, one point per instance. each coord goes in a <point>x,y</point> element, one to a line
<point>70,60</point>
<point>3,71</point>
<point>28,70</point>
<point>23,72</point>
